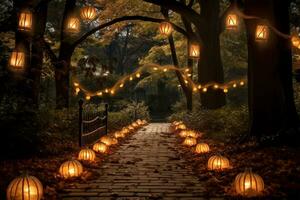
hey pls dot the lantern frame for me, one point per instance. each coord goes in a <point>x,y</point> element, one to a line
<point>165,28</point>
<point>88,13</point>
<point>73,25</point>
<point>262,33</point>
<point>17,60</point>
<point>194,51</point>
<point>25,20</point>
<point>232,21</point>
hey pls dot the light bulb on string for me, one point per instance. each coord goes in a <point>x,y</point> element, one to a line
<point>242,83</point>
<point>138,75</point>
<point>204,89</point>
<point>225,90</point>
<point>121,85</point>
<point>216,86</point>
<point>99,93</point>
<point>130,78</point>
<point>234,85</point>
<point>199,87</point>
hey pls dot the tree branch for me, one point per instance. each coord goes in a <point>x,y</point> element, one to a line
<point>125,18</point>
<point>180,8</point>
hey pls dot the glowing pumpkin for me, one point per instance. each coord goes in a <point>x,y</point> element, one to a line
<point>202,148</point>
<point>87,155</point>
<point>218,162</point>
<point>100,147</point>
<point>135,125</point>
<point>248,183</point>
<point>70,169</point>
<point>24,188</point>
<point>183,133</point>
<point>106,140</point>
<point>119,134</point>
<point>189,141</point>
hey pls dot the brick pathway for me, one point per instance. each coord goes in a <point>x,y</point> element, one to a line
<point>147,167</point>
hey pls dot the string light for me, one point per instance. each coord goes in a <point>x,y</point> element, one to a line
<point>138,75</point>
<point>187,80</point>
<point>87,98</point>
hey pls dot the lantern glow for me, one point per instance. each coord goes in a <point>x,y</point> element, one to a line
<point>24,188</point>
<point>73,25</point>
<point>88,13</point>
<point>70,169</point>
<point>25,21</point>
<point>248,183</point>
<point>232,21</point>
<point>17,60</point>
<point>194,51</point>
<point>262,33</point>
<point>165,28</point>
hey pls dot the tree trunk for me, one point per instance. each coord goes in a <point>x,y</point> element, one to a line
<point>62,72</point>
<point>210,67</point>
<point>271,101</point>
<point>187,91</point>
<point>29,41</point>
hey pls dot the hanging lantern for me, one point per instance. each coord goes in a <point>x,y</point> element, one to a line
<point>100,147</point>
<point>73,25</point>
<point>190,141</point>
<point>165,28</point>
<point>87,155</point>
<point>25,21</point>
<point>106,140</point>
<point>70,169</point>
<point>17,60</point>
<point>88,13</point>
<point>24,188</point>
<point>232,21</point>
<point>194,51</point>
<point>202,148</point>
<point>248,183</point>
<point>218,163</point>
<point>262,33</point>
<point>295,41</point>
